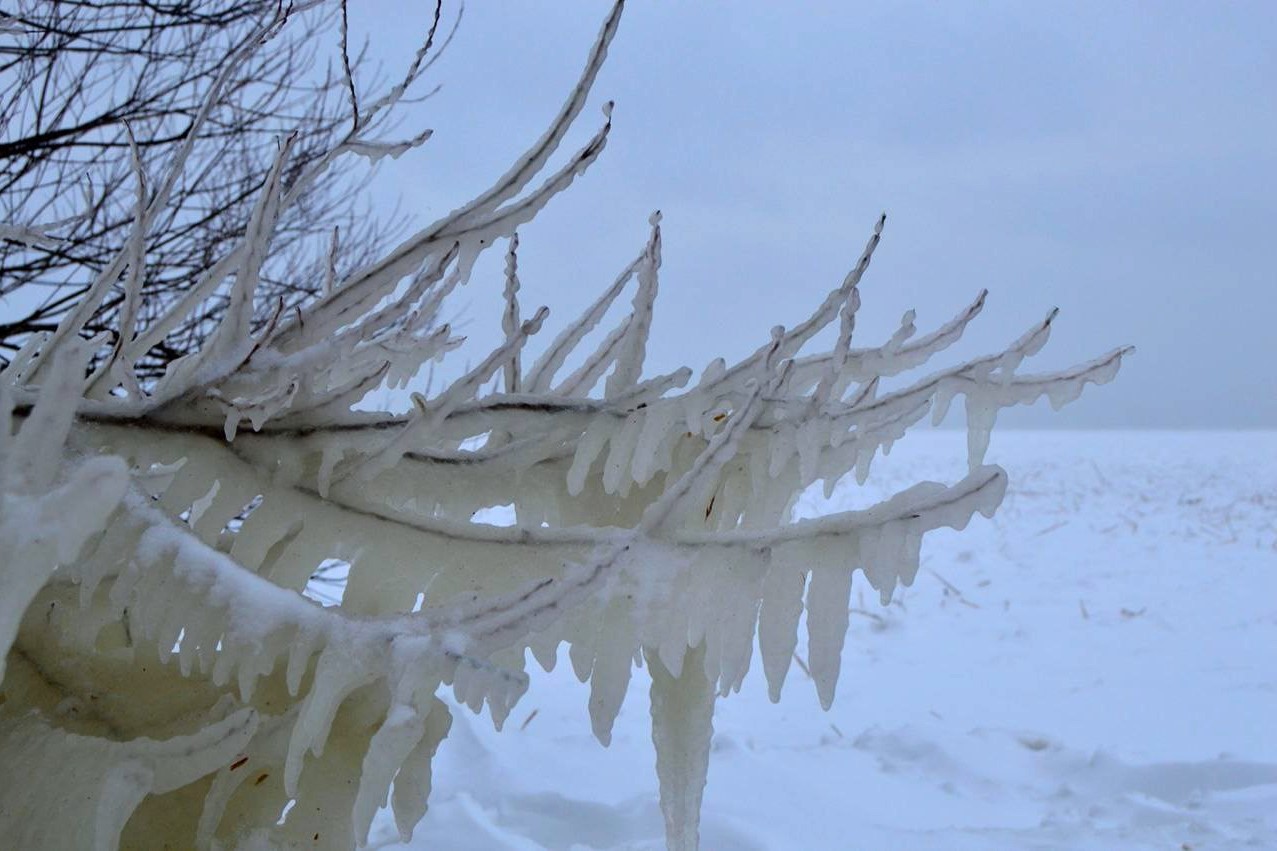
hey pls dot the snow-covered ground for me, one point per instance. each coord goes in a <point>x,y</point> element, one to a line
<point>1096,668</point>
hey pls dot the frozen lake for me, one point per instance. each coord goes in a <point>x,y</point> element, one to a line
<point>1095,668</point>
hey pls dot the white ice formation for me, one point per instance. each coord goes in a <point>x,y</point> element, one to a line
<point>164,678</point>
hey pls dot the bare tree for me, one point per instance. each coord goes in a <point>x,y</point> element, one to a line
<point>97,96</point>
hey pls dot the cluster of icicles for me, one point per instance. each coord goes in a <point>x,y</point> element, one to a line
<point>167,681</point>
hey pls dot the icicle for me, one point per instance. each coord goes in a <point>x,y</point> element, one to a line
<point>827,601</point>
<point>740,605</point>
<point>610,677</point>
<point>581,655</point>
<point>910,556</point>
<point>676,628</point>
<point>880,557</point>
<point>545,649</point>
<point>864,457</point>
<point>617,466</point>
<point>940,407</point>
<point>336,676</point>
<point>412,783</point>
<point>981,416</point>
<point>783,446</point>
<point>782,606</point>
<point>656,427</point>
<point>330,455</point>
<point>596,436</point>
<point>467,688</point>
<point>809,439</point>
<point>682,726</point>
<point>399,734</point>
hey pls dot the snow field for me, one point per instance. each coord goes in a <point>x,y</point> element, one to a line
<point>1096,668</point>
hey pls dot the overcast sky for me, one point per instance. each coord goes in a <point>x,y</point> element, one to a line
<point>1118,160</point>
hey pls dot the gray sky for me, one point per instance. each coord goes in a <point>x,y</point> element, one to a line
<point>1118,160</point>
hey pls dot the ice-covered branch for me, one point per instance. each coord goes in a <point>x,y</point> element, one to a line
<point>156,547</point>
